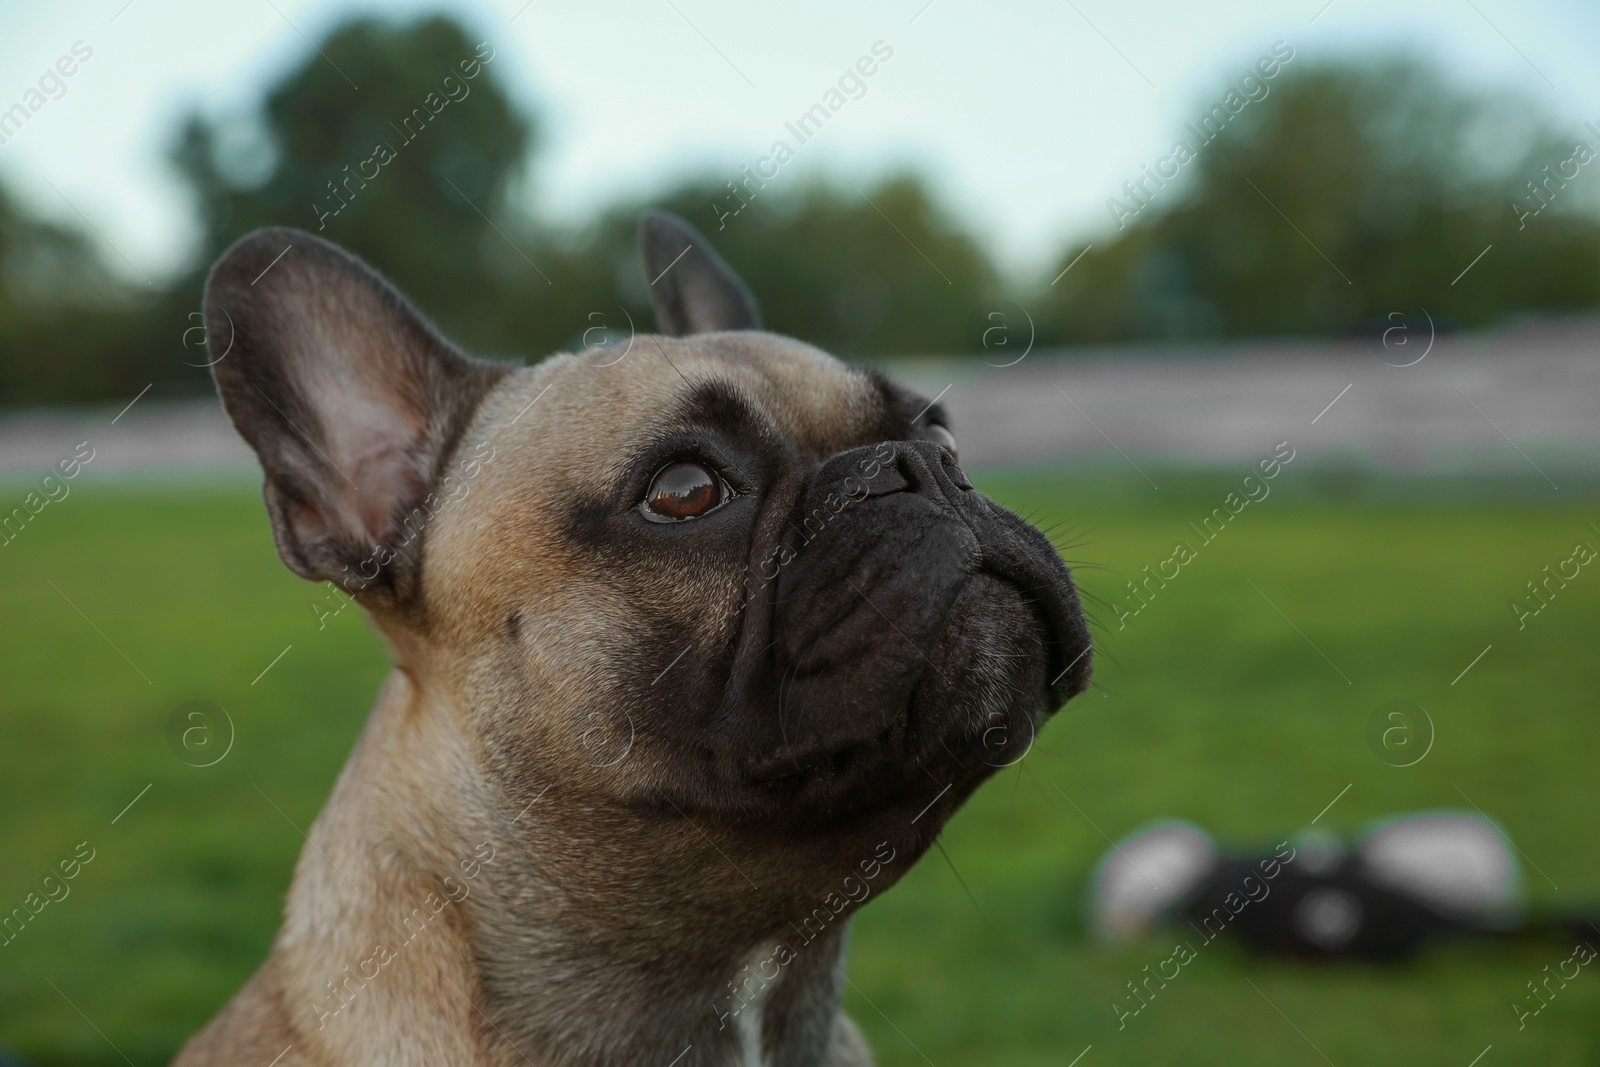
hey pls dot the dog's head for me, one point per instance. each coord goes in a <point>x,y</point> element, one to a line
<point>714,577</point>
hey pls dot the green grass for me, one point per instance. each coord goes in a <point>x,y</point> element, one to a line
<point>1211,707</point>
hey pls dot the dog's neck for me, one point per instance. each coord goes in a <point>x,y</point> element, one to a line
<point>420,896</point>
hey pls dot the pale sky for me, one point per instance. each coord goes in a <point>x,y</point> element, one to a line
<point>1026,116</point>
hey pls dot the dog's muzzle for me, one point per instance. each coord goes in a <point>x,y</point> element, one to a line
<point>905,600</point>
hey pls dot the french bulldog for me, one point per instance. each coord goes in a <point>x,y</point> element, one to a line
<point>698,641</point>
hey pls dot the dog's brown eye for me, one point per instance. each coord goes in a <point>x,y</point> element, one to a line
<point>682,490</point>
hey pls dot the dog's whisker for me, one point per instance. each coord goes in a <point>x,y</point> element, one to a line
<point>939,844</point>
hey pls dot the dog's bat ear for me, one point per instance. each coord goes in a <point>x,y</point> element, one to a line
<point>350,398</point>
<point>693,289</point>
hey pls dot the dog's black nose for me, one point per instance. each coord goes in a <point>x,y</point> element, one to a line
<point>921,468</point>
<point>930,467</point>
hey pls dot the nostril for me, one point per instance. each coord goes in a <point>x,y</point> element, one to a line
<point>915,473</point>
<point>954,471</point>
<point>927,467</point>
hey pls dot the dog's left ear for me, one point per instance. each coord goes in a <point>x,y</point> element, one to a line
<point>352,401</point>
<point>693,290</point>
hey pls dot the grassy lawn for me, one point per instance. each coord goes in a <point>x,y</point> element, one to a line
<point>1211,707</point>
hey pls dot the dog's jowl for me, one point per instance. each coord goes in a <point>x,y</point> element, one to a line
<point>695,650</point>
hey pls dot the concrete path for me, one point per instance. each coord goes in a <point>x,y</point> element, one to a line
<point>1525,398</point>
<point>1467,406</point>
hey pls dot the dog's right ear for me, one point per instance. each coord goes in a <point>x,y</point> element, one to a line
<point>350,398</point>
<point>692,288</point>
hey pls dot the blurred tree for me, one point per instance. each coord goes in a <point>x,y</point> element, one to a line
<point>1393,180</point>
<point>399,142</point>
<point>860,272</point>
<point>64,318</point>
<point>1347,193</point>
<point>826,264</point>
<point>408,171</point>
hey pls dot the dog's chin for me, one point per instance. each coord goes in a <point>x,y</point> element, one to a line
<point>974,703</point>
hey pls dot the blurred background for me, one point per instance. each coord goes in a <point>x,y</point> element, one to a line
<point>1134,249</point>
